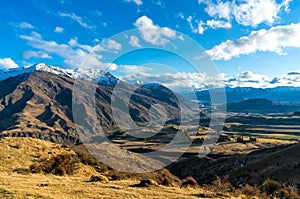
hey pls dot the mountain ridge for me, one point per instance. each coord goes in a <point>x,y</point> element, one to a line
<point>93,74</point>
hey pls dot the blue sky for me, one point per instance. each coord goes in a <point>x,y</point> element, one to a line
<point>254,39</point>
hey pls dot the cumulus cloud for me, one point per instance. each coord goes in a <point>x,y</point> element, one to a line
<point>290,79</point>
<point>35,54</point>
<point>153,33</point>
<point>220,10</point>
<point>137,2</point>
<point>58,29</point>
<point>7,63</point>
<point>76,18</point>
<point>112,45</point>
<point>247,13</point>
<point>199,26</point>
<point>248,79</point>
<point>134,41</point>
<point>25,25</point>
<point>177,81</point>
<point>215,24</point>
<point>73,53</point>
<point>183,81</point>
<point>272,40</point>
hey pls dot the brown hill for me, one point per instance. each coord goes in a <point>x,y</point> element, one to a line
<point>40,105</point>
<point>281,163</point>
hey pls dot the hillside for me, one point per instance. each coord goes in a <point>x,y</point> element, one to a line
<point>39,104</point>
<point>18,154</point>
<point>280,162</point>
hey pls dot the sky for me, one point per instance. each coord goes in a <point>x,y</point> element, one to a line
<point>252,43</point>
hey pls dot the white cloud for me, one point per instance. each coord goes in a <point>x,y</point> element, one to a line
<point>199,25</point>
<point>73,42</point>
<point>178,81</point>
<point>25,25</point>
<point>112,66</point>
<point>187,81</point>
<point>73,55</point>
<point>58,29</point>
<point>7,63</point>
<point>248,79</point>
<point>153,33</point>
<point>35,54</point>
<point>219,10</point>
<point>137,2</point>
<point>181,81</point>
<point>247,13</point>
<point>214,24</point>
<point>272,40</point>
<point>76,18</point>
<point>112,45</point>
<point>134,41</point>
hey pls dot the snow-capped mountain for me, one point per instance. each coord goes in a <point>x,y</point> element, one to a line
<point>91,74</point>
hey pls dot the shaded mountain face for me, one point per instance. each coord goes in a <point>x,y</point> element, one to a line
<point>260,106</point>
<point>278,94</point>
<point>39,104</point>
<point>281,163</point>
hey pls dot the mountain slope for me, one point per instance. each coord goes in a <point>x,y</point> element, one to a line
<point>39,104</point>
<point>281,163</point>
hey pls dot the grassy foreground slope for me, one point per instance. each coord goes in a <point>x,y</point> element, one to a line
<point>33,168</point>
<point>17,154</point>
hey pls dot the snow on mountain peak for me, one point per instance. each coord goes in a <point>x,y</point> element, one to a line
<point>93,74</point>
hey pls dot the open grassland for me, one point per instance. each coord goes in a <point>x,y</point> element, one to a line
<point>19,186</point>
<point>18,154</point>
<point>18,179</point>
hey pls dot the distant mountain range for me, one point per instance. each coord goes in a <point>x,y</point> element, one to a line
<point>286,94</point>
<point>262,106</point>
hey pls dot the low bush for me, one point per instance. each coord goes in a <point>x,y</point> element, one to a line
<point>98,178</point>
<point>271,187</point>
<point>189,182</point>
<point>61,164</point>
<point>87,158</point>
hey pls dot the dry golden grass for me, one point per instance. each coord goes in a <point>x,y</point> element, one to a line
<point>14,185</point>
<point>20,153</point>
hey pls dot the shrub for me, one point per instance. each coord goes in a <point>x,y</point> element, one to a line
<point>289,192</point>
<point>87,158</point>
<point>271,187</point>
<point>189,182</point>
<point>223,184</point>
<point>23,171</point>
<point>61,164</point>
<point>250,191</point>
<point>162,177</point>
<point>98,178</point>
<point>146,183</point>
<point>36,168</point>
